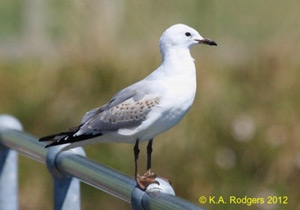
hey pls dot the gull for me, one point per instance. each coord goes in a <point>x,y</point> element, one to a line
<point>146,108</point>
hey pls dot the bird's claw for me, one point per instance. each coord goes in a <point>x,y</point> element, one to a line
<point>144,181</point>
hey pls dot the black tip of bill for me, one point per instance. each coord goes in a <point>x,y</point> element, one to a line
<point>207,42</point>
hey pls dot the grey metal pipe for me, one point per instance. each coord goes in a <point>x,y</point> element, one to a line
<point>100,176</point>
<point>8,168</point>
<point>68,163</point>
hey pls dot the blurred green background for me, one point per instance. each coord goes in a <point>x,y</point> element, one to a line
<point>59,59</point>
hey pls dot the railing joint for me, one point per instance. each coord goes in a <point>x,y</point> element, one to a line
<point>66,187</point>
<point>138,198</point>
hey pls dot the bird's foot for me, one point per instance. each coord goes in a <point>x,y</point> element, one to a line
<point>144,181</point>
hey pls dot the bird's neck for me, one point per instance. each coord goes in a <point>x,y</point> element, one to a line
<point>175,63</point>
<point>179,60</point>
<point>173,54</point>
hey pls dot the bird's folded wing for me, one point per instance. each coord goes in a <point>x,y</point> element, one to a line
<point>127,109</point>
<point>128,114</point>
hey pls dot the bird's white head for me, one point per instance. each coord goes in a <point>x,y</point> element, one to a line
<point>182,36</point>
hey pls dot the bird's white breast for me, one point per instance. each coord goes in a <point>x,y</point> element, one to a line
<point>177,93</point>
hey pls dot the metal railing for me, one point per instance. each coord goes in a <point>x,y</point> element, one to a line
<point>70,167</point>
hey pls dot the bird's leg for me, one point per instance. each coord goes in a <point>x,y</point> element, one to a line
<point>136,157</point>
<point>149,152</point>
<point>149,173</point>
<point>143,181</point>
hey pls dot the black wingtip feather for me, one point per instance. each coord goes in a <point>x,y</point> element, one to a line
<point>66,137</point>
<point>58,138</point>
<point>52,136</point>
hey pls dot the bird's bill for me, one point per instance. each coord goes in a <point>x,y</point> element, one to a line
<point>206,41</point>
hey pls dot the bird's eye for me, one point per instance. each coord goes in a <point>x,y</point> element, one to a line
<point>188,34</point>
